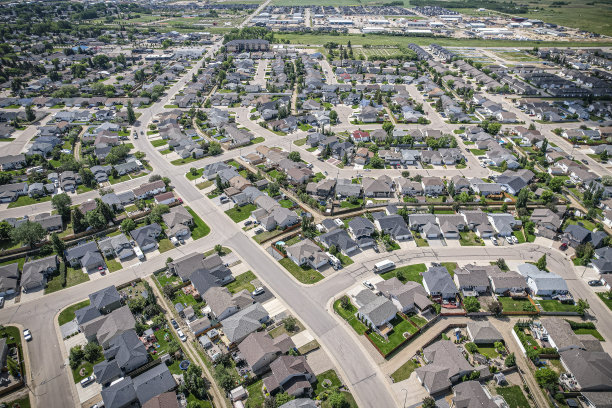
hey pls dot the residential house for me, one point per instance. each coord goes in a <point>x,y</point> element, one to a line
<point>86,256</point>
<point>445,366</point>
<point>483,332</point>
<point>542,283</point>
<point>362,229</point>
<point>432,186</point>
<point>393,225</point>
<point>248,320</point>
<point>470,394</point>
<point>471,283</point>
<point>146,236</point>
<point>438,282</point>
<point>9,276</point>
<point>340,239</point>
<point>290,374</point>
<point>259,350</point>
<point>179,222</point>
<point>307,252</point>
<point>407,297</point>
<point>116,246</point>
<point>223,304</point>
<point>106,300</point>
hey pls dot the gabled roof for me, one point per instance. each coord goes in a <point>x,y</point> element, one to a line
<point>106,371</point>
<point>484,331</point>
<point>246,321</point>
<point>153,382</point>
<point>105,297</point>
<point>127,349</point>
<point>439,280</point>
<point>87,313</point>
<point>120,394</point>
<point>592,369</point>
<point>378,310</point>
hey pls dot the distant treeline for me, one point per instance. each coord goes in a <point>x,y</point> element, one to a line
<point>249,33</point>
<point>503,7</point>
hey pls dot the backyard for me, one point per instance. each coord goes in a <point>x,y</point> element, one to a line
<point>515,305</point>
<point>552,305</point>
<point>304,274</point>
<point>513,396</point>
<point>395,338</point>
<point>407,273</point>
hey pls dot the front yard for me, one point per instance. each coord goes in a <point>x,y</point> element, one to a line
<point>68,315</point>
<point>201,229</point>
<point>73,277</point>
<point>304,274</point>
<point>405,371</point>
<point>470,239</point>
<point>407,273</point>
<point>243,281</point>
<point>241,213</point>
<point>27,200</point>
<point>348,314</point>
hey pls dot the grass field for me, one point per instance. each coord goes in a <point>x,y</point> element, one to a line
<point>404,371</point>
<point>514,396</point>
<point>592,332</point>
<point>327,375</point>
<point>241,213</point>
<point>68,313</point>
<point>303,274</point>
<point>348,314</point>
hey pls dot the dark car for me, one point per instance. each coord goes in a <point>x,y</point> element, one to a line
<point>584,161</point>
<point>174,323</point>
<point>595,283</point>
<point>563,246</point>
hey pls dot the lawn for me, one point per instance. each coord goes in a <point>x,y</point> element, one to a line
<point>348,314</point>
<point>520,236</point>
<point>88,370</point>
<point>418,320</point>
<point>267,235</point>
<point>27,200</point>
<point>420,241</point>
<point>201,229</point>
<point>256,396</point>
<point>450,266</point>
<point>395,338</point>
<point>187,300</point>
<point>286,203</point>
<point>73,277</point>
<point>585,223</point>
<point>514,396</point>
<point>327,375</point>
<point>488,351</point>
<point>407,273</point>
<point>478,152</point>
<point>165,245</point>
<point>243,281</point>
<point>241,213</point>
<point>404,371</point>
<point>21,403</point>
<point>190,159</point>
<point>159,142</point>
<point>68,315</point>
<point>191,176</point>
<point>318,177</point>
<point>120,179</point>
<point>83,189</point>
<point>308,347</point>
<point>280,330</point>
<point>302,274</point>
<point>470,239</point>
<point>164,279</point>
<point>592,332</point>
<point>551,305</point>
<point>300,142</point>
<point>605,299</point>
<point>204,184</point>
<point>512,305</point>
<point>113,265</point>
<point>347,204</point>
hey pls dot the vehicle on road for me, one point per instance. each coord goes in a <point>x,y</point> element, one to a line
<point>174,324</point>
<point>258,291</point>
<point>384,266</point>
<point>181,335</point>
<point>368,285</point>
<point>27,335</point>
<point>595,282</point>
<point>1,301</point>
<point>563,246</point>
<point>584,161</point>
<point>87,380</point>
<point>136,136</point>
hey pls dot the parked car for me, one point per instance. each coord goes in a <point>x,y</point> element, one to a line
<point>1,301</point>
<point>181,335</point>
<point>563,246</point>
<point>87,380</point>
<point>259,231</point>
<point>514,239</point>
<point>258,291</point>
<point>509,240</point>
<point>494,241</point>
<point>174,324</point>
<point>584,161</point>
<point>368,285</point>
<point>595,282</point>
<point>247,223</point>
<point>27,335</point>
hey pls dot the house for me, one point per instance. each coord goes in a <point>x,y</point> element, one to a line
<point>445,366</point>
<point>179,222</point>
<point>377,187</point>
<point>126,351</point>
<point>259,350</point>
<point>470,394</point>
<point>146,236</point>
<point>471,283</point>
<point>504,224</point>
<point>307,252</point>
<point>377,312</point>
<point>393,225</point>
<point>103,328</point>
<point>542,283</point>
<point>513,181</point>
<point>478,221</point>
<point>290,374</point>
<point>483,332</point>
<point>153,382</point>
<point>591,371</point>
<point>438,282</point>
<point>223,304</point>
<point>603,260</point>
<point>546,220</point>
<point>106,300</point>
<point>12,162</point>
<point>86,256</point>
<point>432,185</point>
<point>11,192</point>
<point>509,283</point>
<point>165,400</point>
<point>360,136</point>
<point>407,297</point>
<point>35,273</point>
<point>9,276</point>
<point>164,198</point>
<point>340,239</point>
<point>185,266</point>
<point>562,337</point>
<point>116,246</point>
<point>362,229</point>
<point>244,322</point>
<point>148,190</point>
<point>451,225</point>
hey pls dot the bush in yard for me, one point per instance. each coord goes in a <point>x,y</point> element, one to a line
<point>219,249</point>
<point>337,400</point>
<point>63,274</point>
<point>345,302</point>
<point>169,290</point>
<point>92,352</point>
<point>496,308</point>
<point>471,347</point>
<point>283,398</point>
<point>471,304</point>
<point>546,378</point>
<point>499,346</point>
<point>429,403</point>
<point>76,356</point>
<point>510,360</point>
<point>290,324</point>
<point>194,382</point>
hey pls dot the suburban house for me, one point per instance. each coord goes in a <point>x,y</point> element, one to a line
<point>395,226</point>
<point>185,266</point>
<point>179,222</point>
<point>86,256</point>
<point>244,322</point>
<point>290,374</point>
<point>146,236</point>
<point>148,190</point>
<point>223,304</point>
<point>9,276</point>
<point>407,297</point>
<point>307,252</point>
<point>432,186</point>
<point>470,394</point>
<point>542,283</point>
<point>106,300</point>
<point>103,328</point>
<point>116,246</point>
<point>445,366</point>
<point>340,239</point>
<point>561,336</point>
<point>507,283</point>
<point>438,283</point>
<point>483,332</point>
<point>471,283</point>
<point>259,350</point>
<point>375,311</point>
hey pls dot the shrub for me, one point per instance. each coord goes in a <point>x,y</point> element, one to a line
<point>510,360</point>
<point>471,347</point>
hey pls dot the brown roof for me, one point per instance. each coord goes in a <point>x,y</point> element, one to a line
<point>165,400</point>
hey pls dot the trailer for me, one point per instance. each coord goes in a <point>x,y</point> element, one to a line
<point>384,266</point>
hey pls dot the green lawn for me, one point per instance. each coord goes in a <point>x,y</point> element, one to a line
<point>585,223</point>
<point>191,176</point>
<point>318,177</point>
<point>189,159</point>
<point>243,281</point>
<point>201,228</point>
<point>514,396</point>
<point>604,298</point>
<point>327,375</point>
<point>164,279</point>
<point>27,200</point>
<point>404,371</point>
<point>256,396</point>
<point>165,245</point>
<point>187,300</point>
<point>280,330</point>
<point>488,351</point>
<point>348,314</point>
<point>159,142</point>
<point>478,152</point>
<point>18,261</point>
<point>113,265</point>
<point>470,239</point>
<point>83,189</point>
<point>395,338</point>
<point>407,273</point>
<point>286,203</point>
<point>204,184</point>
<point>520,236</point>
<point>418,320</point>
<point>241,213</point>
<point>304,274</point>
<point>551,305</point>
<point>592,332</point>
<point>88,370</point>
<point>347,204</point>
<point>420,241</point>
<point>68,315</point>
<point>300,142</point>
<point>513,305</point>
<point>73,277</point>
<point>119,179</point>
<point>450,266</point>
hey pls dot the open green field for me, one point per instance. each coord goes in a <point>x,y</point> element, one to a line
<point>388,40</point>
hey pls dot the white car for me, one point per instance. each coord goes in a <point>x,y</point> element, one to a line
<point>368,285</point>
<point>494,241</point>
<point>27,335</point>
<point>181,335</point>
<point>87,380</point>
<point>515,239</point>
<point>509,240</point>
<point>258,291</point>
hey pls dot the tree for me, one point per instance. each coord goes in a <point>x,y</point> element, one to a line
<point>29,233</point>
<point>521,199</point>
<point>76,356</point>
<point>290,324</point>
<point>496,308</point>
<point>219,249</point>
<point>131,116</point>
<point>30,115</point>
<point>471,304</point>
<point>58,244</point>
<point>78,221</point>
<point>546,378</point>
<point>582,306</point>
<point>283,398</point>
<point>337,400</point>
<point>128,225</point>
<point>333,116</point>
<point>5,231</point>
<point>388,127</point>
<point>92,352</point>
<point>295,156</point>
<point>12,366</point>
<point>169,290</point>
<point>541,264</point>
<point>429,402</point>
<point>62,203</point>
<point>510,360</point>
<point>193,171</point>
<point>95,219</point>
<point>471,347</point>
